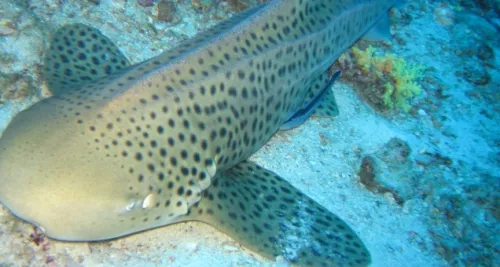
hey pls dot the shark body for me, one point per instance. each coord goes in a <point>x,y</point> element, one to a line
<point>120,149</point>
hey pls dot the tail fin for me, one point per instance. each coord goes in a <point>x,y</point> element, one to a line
<point>268,215</point>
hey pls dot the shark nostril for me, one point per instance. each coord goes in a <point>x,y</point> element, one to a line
<point>131,206</point>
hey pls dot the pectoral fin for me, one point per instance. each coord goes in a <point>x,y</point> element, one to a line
<point>269,216</point>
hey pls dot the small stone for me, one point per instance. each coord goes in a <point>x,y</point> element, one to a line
<point>145,3</point>
<point>229,247</point>
<point>281,262</point>
<point>389,196</point>
<point>424,159</point>
<point>427,159</point>
<point>367,173</point>
<point>240,5</point>
<point>409,206</point>
<point>242,262</point>
<point>485,52</point>
<point>203,4</point>
<point>192,247</point>
<point>443,16</point>
<point>7,27</point>
<point>495,22</point>
<point>396,151</point>
<point>475,74</point>
<point>166,11</point>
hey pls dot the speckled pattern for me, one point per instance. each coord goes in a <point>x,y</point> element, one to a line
<point>450,130</point>
<point>142,143</point>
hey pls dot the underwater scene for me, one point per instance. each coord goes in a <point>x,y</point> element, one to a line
<point>249,133</point>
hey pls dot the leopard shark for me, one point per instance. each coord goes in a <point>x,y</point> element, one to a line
<point>120,148</point>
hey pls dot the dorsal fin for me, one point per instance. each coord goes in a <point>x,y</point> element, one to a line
<point>79,54</point>
<point>380,31</point>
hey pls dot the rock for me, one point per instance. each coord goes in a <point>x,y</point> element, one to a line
<point>422,113</point>
<point>166,11</point>
<point>281,262</point>
<point>474,73</point>
<point>488,5</point>
<point>395,152</point>
<point>203,4</point>
<point>479,26</point>
<point>390,171</point>
<point>7,27</point>
<point>427,159</point>
<point>367,173</point>
<point>229,247</point>
<point>192,247</point>
<point>495,22</point>
<point>145,3</point>
<point>240,5</point>
<point>485,53</point>
<point>444,16</point>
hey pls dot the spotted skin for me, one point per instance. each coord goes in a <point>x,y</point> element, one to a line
<point>146,145</point>
<point>283,222</point>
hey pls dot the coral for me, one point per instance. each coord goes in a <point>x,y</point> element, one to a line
<point>16,86</point>
<point>397,77</point>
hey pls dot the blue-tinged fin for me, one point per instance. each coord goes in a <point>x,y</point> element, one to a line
<point>300,116</point>
<point>79,54</point>
<point>380,31</point>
